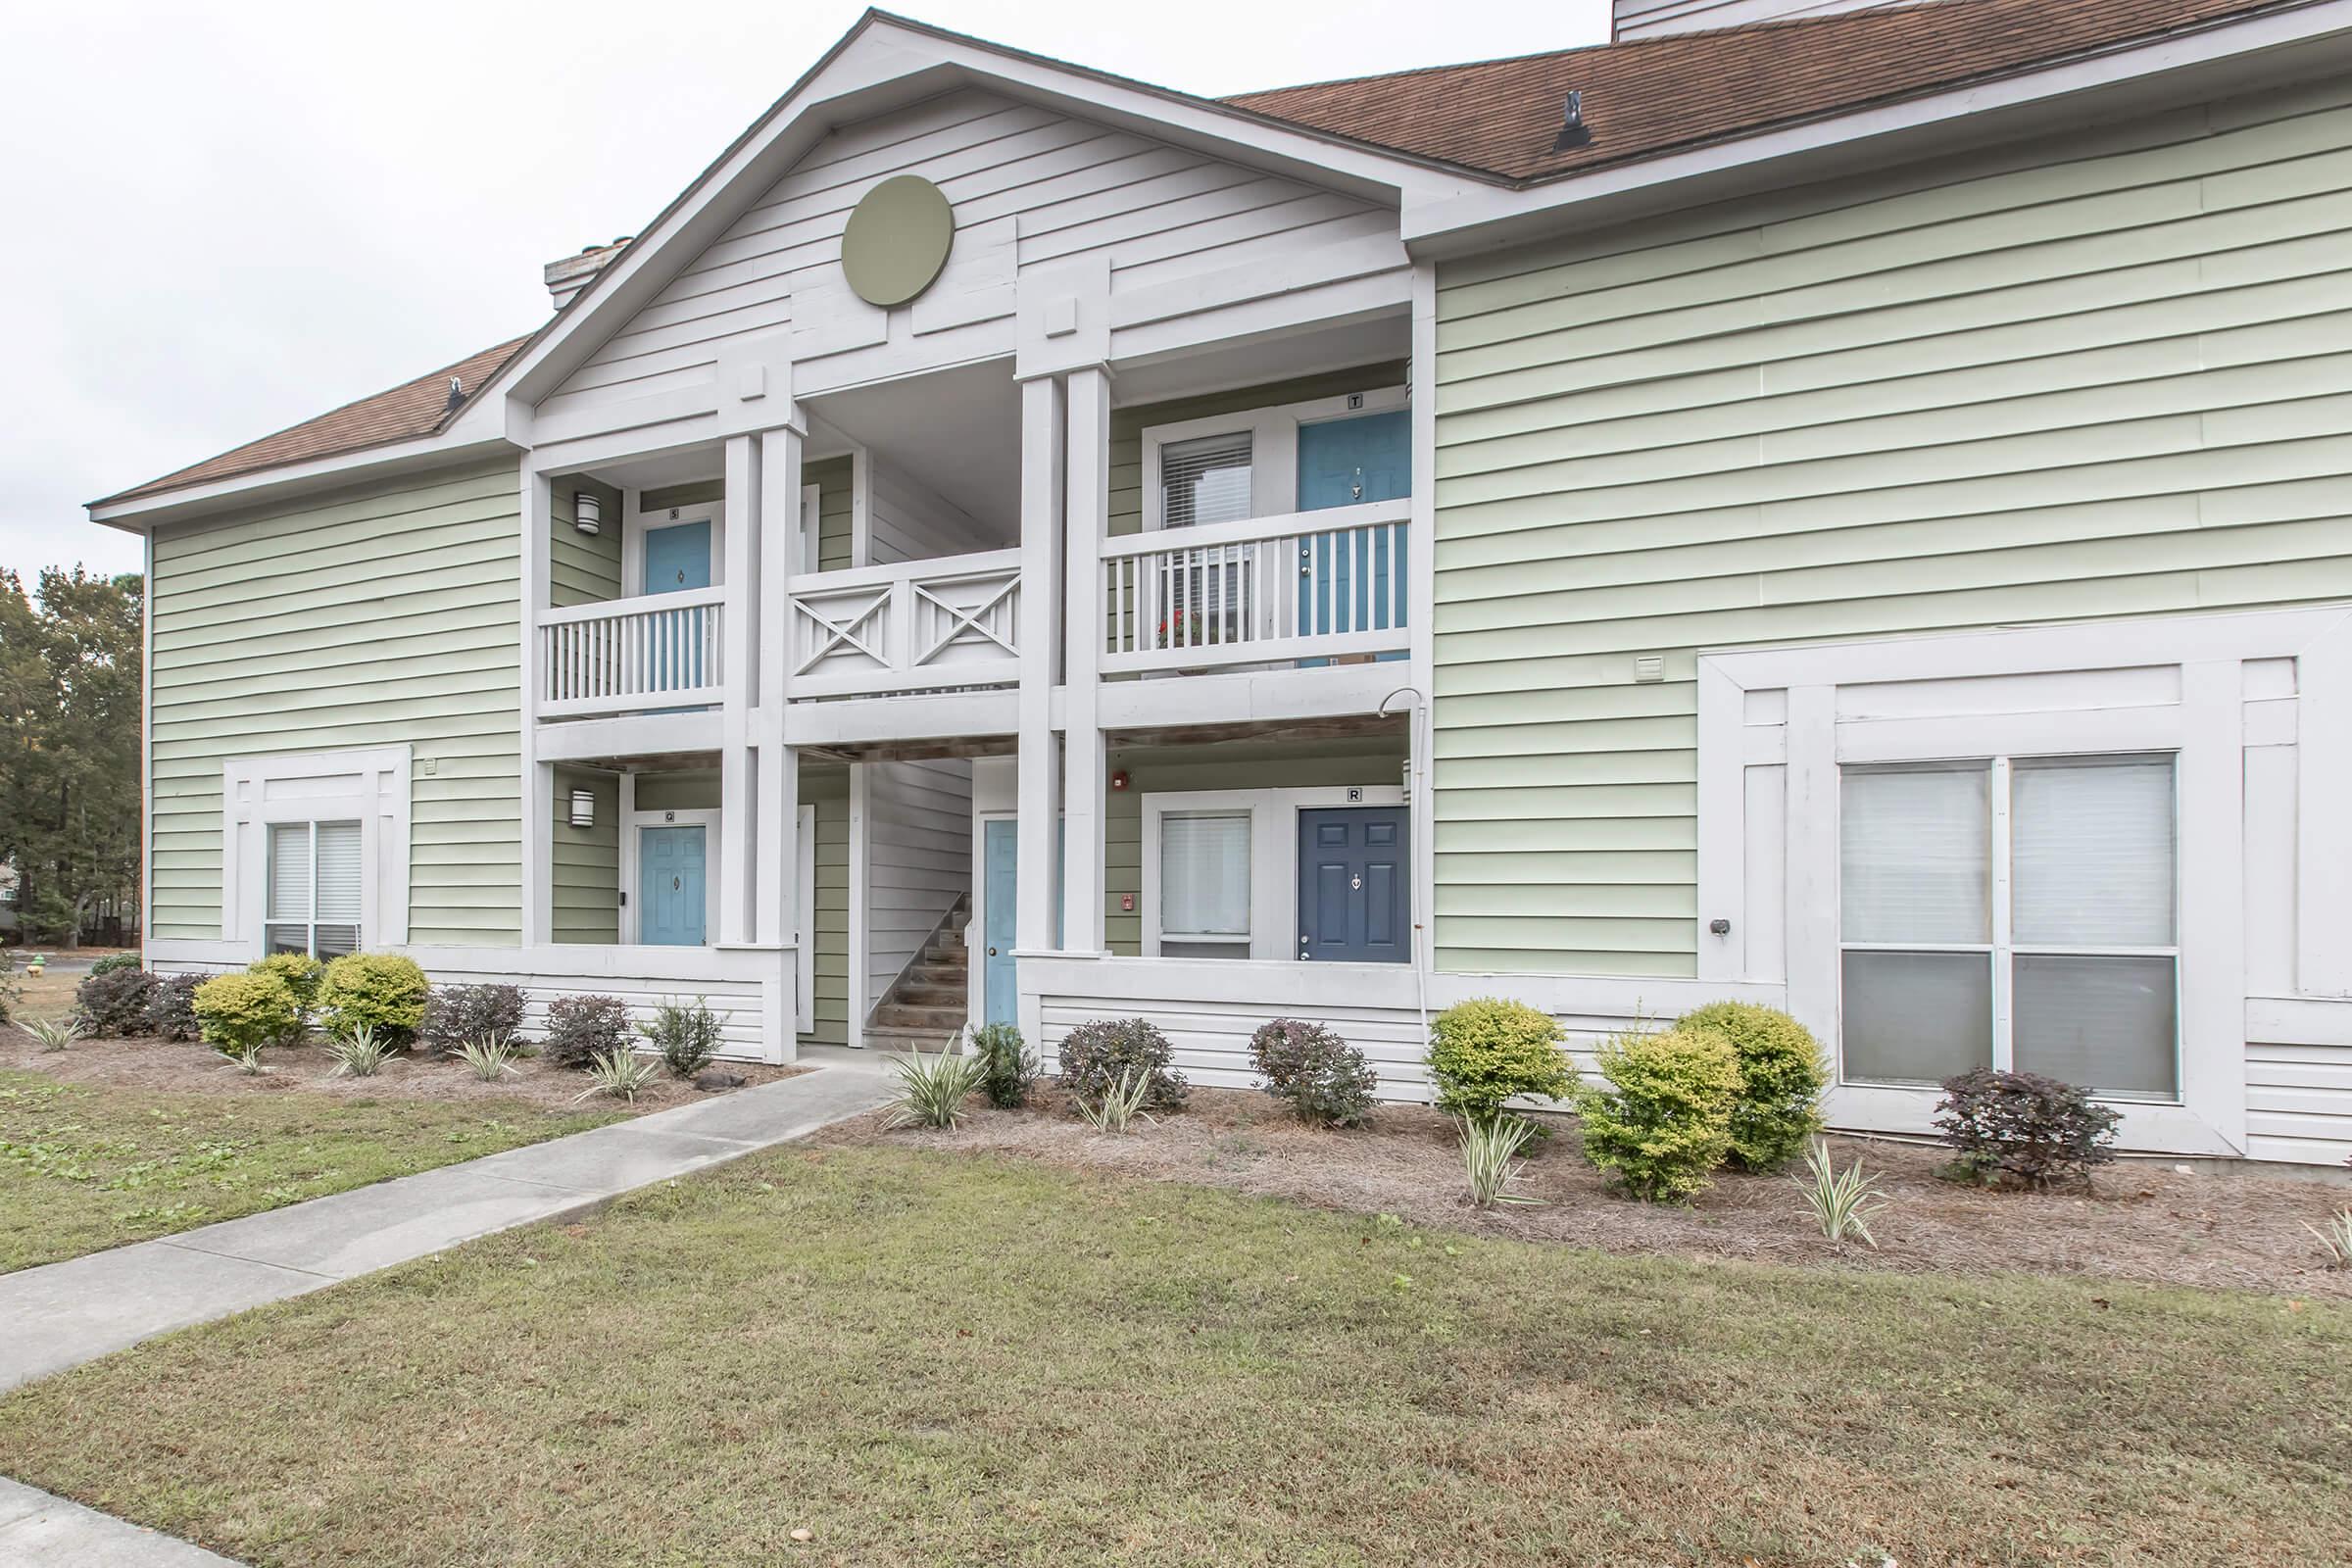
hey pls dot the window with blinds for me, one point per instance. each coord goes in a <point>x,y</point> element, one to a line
<point>1204,884</point>
<point>2013,913</point>
<point>316,888</point>
<point>1205,480</point>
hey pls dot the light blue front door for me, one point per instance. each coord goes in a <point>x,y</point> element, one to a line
<point>670,890</point>
<point>999,1004</point>
<point>1344,578</point>
<point>677,559</point>
<point>999,1000</point>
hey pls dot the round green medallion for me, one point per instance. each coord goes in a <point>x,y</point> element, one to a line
<point>897,240</point>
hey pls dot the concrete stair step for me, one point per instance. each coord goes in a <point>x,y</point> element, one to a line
<point>932,996</point>
<point>899,1015</point>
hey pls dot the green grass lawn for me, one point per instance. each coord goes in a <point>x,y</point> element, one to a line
<point>87,1166</point>
<point>931,1358</point>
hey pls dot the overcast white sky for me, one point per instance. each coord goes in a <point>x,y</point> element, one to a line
<point>227,217</point>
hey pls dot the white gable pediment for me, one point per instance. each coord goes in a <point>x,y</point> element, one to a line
<point>1034,189</point>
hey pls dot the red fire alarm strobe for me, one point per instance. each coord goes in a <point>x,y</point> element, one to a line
<point>1119,779</point>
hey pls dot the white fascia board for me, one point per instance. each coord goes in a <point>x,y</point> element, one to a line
<point>885,64</point>
<point>462,442</point>
<point>2218,60</point>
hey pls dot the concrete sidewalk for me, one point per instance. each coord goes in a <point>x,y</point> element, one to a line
<point>39,1531</point>
<point>63,1314</point>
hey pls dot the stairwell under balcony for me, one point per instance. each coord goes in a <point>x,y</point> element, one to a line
<point>928,1003</point>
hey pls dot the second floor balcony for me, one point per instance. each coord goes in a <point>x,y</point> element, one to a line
<point>1271,535</point>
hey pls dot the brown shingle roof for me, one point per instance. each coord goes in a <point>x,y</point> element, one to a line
<point>1653,95</point>
<point>410,410</point>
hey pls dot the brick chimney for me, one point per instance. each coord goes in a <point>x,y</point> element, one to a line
<point>572,274</point>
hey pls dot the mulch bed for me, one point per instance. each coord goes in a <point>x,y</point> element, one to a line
<point>187,1068</point>
<point>2148,1221</point>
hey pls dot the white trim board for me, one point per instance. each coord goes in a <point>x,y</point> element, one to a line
<point>370,787</point>
<point>2228,695</point>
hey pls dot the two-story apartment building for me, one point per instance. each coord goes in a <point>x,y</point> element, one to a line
<point>1844,505</point>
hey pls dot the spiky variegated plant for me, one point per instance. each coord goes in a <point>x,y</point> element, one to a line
<point>1490,1150</point>
<point>1120,1105</point>
<point>490,1058</point>
<point>359,1050</point>
<point>932,1089</point>
<point>619,1074</point>
<point>1842,1202</point>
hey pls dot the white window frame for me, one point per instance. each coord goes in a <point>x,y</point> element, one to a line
<point>1771,739</point>
<point>1273,445</point>
<point>2000,949</point>
<point>368,787</point>
<point>310,921</point>
<point>634,817</point>
<point>1273,843</point>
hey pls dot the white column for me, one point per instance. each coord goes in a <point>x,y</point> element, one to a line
<point>1088,510</point>
<point>776,875</point>
<point>537,784</point>
<point>1039,783</point>
<point>742,845</point>
<point>1421,602</point>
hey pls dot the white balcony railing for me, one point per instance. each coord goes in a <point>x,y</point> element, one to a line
<point>630,654</point>
<point>950,624</point>
<point>1267,590</point>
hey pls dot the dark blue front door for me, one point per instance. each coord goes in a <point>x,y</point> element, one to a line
<point>1355,885</point>
<point>1345,579</point>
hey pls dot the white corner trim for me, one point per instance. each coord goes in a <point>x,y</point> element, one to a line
<point>370,787</point>
<point>1273,851</point>
<point>1273,446</point>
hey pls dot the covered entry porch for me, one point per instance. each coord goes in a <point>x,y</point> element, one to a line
<point>1231,854</point>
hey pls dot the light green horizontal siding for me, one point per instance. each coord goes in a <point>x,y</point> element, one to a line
<point>582,568</point>
<point>584,862</point>
<point>2017,387</point>
<point>835,500</point>
<point>1298,764</point>
<point>826,787</point>
<point>379,617</point>
<point>694,789</point>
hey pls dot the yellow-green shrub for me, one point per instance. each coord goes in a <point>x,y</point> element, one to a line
<point>245,1011</point>
<point>299,971</point>
<point>1665,1119</point>
<point>1785,1073</point>
<point>376,989</point>
<point>1487,1050</point>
